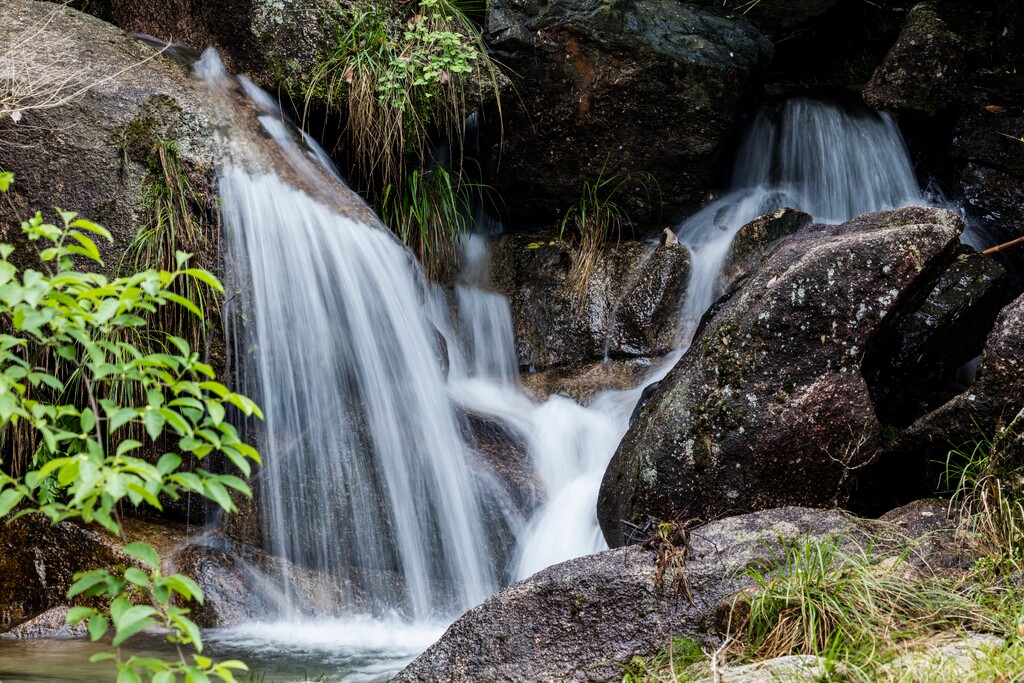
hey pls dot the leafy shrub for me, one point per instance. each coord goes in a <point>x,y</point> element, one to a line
<point>68,376</point>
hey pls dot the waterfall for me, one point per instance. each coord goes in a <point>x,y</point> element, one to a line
<point>370,379</point>
<point>365,468</point>
<point>833,162</point>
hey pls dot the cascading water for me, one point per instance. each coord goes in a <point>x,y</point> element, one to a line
<point>365,467</point>
<point>367,459</point>
<point>820,157</point>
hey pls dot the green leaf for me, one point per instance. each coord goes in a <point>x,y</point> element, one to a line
<point>6,178</point>
<point>136,576</point>
<point>121,417</point>
<point>87,581</point>
<point>77,614</point>
<point>143,551</point>
<point>216,410</point>
<point>168,463</point>
<point>185,586</point>
<point>128,675</point>
<point>98,626</point>
<point>154,422</point>
<point>8,499</point>
<point>131,621</point>
<point>163,677</point>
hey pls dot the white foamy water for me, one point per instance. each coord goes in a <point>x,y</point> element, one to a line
<point>820,157</point>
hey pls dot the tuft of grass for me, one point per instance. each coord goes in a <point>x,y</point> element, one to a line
<point>823,600</point>
<point>406,76</point>
<point>429,213</point>
<point>983,478</point>
<point>680,656</point>
<point>597,220</point>
<point>174,221</point>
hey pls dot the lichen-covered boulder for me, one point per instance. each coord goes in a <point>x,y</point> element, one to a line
<point>629,308</point>
<point>603,90</point>
<point>923,72</point>
<point>582,619</point>
<point>769,406</point>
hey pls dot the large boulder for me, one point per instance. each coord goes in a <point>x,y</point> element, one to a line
<point>120,134</point>
<point>629,308</point>
<point>582,619</point>
<point>38,561</point>
<point>923,72</point>
<point>770,407</point>
<point>604,90</point>
<point>921,371</point>
<point>90,153</point>
<point>778,18</point>
<point>754,241</point>
<point>990,157</point>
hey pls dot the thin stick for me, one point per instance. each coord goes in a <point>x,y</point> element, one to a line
<point>1004,245</point>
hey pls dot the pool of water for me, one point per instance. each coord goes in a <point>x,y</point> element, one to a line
<point>329,651</point>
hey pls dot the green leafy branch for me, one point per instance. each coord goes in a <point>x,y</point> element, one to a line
<point>92,467</point>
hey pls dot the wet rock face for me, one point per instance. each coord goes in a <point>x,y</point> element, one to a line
<point>755,240</point>
<point>271,41</point>
<point>580,619</point>
<point>630,307</point>
<point>995,397</point>
<point>777,18</point>
<point>96,153</point>
<point>37,562</point>
<point>918,372</point>
<point>923,71</point>
<point>608,89</point>
<point>74,155</point>
<point>770,407</point>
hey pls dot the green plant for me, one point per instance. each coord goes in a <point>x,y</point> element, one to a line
<point>429,212</point>
<point>674,662</point>
<point>982,477</point>
<point>596,220</point>
<point>822,600</point>
<point>171,226</point>
<point>400,73</point>
<point>62,324</point>
<point>404,75</point>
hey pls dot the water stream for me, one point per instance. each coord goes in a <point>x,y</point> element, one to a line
<point>369,471</point>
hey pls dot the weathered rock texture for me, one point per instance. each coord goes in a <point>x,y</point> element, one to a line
<point>630,307</point>
<point>777,18</point>
<point>609,89</point>
<point>923,72</point>
<point>38,561</point>
<point>90,154</point>
<point>769,407</point>
<point>919,372</point>
<point>580,619</point>
<point>271,41</point>
<point>754,241</point>
<point>118,113</point>
<point>994,398</point>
